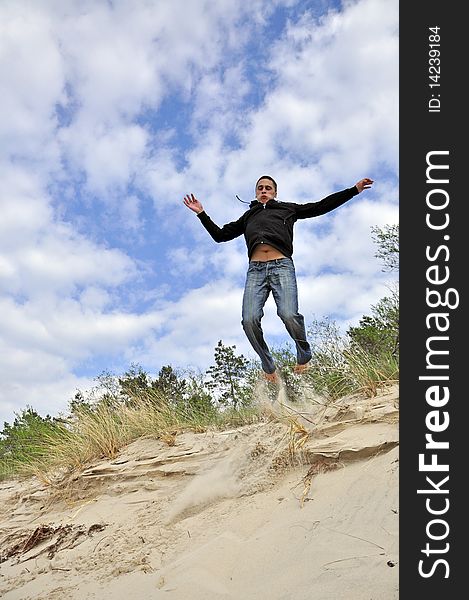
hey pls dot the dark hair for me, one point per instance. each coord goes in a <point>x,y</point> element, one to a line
<point>268,177</point>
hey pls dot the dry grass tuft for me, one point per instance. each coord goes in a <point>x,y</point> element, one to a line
<point>320,465</point>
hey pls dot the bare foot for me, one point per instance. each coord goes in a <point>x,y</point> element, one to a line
<point>302,368</point>
<point>272,377</point>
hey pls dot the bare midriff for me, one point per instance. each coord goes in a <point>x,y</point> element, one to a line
<point>264,252</point>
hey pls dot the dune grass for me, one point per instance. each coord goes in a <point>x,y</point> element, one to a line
<point>67,446</point>
<point>50,448</point>
<point>356,372</point>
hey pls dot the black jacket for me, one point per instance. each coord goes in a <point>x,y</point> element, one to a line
<point>272,223</point>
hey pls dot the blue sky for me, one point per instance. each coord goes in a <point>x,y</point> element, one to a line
<point>112,111</point>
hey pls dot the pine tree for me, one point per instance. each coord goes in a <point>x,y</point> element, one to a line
<point>228,375</point>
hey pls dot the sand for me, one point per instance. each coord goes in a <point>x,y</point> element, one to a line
<point>298,509</point>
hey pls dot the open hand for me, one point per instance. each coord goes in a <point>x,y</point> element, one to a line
<point>191,202</point>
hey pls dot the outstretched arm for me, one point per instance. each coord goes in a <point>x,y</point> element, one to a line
<point>191,202</point>
<point>314,209</point>
<point>219,234</point>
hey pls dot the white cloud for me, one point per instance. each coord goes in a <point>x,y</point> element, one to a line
<point>57,291</point>
<point>24,211</point>
<point>334,102</point>
<point>194,324</point>
<point>332,294</point>
<point>109,156</point>
<point>38,379</point>
<point>50,257</point>
<point>342,240</point>
<point>31,81</point>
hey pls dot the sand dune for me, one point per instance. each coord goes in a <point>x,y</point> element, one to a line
<point>303,508</point>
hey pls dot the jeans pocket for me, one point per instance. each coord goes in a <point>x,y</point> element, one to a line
<point>286,265</point>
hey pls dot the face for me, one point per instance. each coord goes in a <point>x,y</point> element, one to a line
<point>265,190</point>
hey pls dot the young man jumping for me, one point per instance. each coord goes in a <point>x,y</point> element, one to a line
<point>268,230</point>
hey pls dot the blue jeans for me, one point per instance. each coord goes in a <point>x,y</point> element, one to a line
<point>276,276</point>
